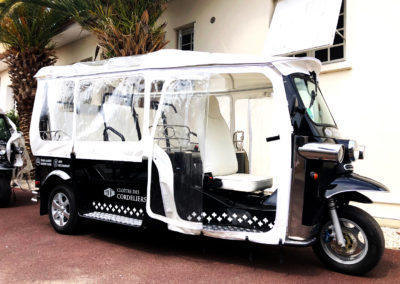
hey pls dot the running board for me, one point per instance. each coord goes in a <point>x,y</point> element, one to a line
<point>112,218</point>
<point>218,228</point>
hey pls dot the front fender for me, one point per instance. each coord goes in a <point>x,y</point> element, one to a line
<point>51,180</point>
<point>61,174</point>
<point>354,185</point>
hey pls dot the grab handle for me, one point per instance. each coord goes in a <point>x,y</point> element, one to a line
<point>273,138</point>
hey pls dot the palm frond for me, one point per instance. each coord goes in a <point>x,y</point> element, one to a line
<point>129,26</point>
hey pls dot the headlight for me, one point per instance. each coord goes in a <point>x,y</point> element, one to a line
<point>353,149</point>
<point>2,149</point>
<point>322,151</point>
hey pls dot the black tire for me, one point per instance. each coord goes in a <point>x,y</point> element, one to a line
<point>339,259</point>
<point>5,191</point>
<point>63,211</point>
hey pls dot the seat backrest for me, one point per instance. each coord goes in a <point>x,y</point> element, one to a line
<point>89,126</point>
<point>120,118</point>
<point>218,155</point>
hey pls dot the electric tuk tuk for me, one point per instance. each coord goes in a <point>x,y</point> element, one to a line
<point>15,164</point>
<point>229,146</point>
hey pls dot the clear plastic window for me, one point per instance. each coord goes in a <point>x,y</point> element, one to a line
<point>110,109</point>
<point>180,114</point>
<point>57,111</point>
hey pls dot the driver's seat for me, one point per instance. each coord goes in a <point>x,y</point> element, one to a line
<point>219,156</point>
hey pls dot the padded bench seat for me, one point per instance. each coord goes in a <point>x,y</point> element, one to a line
<point>245,182</point>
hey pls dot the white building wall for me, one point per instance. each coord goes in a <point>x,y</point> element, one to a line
<point>365,99</point>
<point>6,100</point>
<point>240,26</point>
<point>76,51</point>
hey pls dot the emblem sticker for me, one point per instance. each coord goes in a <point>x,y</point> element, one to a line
<point>109,192</point>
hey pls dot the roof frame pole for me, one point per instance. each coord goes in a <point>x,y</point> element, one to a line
<point>74,114</point>
<point>146,118</point>
<point>250,133</point>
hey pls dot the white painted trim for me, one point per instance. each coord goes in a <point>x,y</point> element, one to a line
<point>61,174</point>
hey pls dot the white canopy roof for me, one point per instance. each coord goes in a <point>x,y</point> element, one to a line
<point>170,58</point>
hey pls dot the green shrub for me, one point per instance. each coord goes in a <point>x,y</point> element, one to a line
<point>13,115</point>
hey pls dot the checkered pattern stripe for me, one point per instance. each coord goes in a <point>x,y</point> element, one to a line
<point>245,220</point>
<point>129,211</point>
<point>219,228</point>
<point>113,218</point>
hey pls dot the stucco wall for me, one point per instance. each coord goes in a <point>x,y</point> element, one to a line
<point>76,51</point>
<point>365,100</point>
<point>240,26</point>
<point>6,100</point>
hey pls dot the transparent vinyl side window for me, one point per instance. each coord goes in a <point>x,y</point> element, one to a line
<point>110,109</point>
<point>57,111</point>
<point>182,112</point>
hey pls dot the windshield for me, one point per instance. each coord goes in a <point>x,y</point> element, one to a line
<point>316,107</point>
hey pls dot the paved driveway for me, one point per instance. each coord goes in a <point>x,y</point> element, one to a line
<point>31,251</point>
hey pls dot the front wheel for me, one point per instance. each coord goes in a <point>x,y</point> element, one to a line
<point>63,211</point>
<point>364,242</point>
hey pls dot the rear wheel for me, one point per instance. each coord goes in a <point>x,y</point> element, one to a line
<point>5,191</point>
<point>62,208</point>
<point>364,242</point>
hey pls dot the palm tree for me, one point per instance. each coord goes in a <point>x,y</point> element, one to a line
<point>122,27</point>
<point>26,31</point>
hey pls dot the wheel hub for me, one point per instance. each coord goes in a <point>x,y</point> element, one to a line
<point>356,244</point>
<point>60,209</point>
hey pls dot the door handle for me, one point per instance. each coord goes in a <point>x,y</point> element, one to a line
<point>273,138</point>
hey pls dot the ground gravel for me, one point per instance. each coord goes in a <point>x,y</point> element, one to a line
<point>392,238</point>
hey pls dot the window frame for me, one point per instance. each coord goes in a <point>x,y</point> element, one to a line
<point>181,31</point>
<point>339,31</point>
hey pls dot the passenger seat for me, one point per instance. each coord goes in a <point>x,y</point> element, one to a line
<point>219,157</point>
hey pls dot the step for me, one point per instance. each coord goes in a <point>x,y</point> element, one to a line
<point>113,218</point>
<point>218,228</point>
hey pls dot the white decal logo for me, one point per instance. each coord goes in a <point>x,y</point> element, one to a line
<point>109,192</point>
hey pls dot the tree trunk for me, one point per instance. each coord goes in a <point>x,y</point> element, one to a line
<point>25,114</point>
<point>23,65</point>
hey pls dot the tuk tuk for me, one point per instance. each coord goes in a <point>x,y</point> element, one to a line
<point>228,146</point>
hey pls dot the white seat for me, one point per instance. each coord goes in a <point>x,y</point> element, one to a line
<point>219,157</point>
<point>245,182</point>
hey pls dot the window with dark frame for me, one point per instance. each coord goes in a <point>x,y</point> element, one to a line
<point>334,52</point>
<point>186,38</point>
